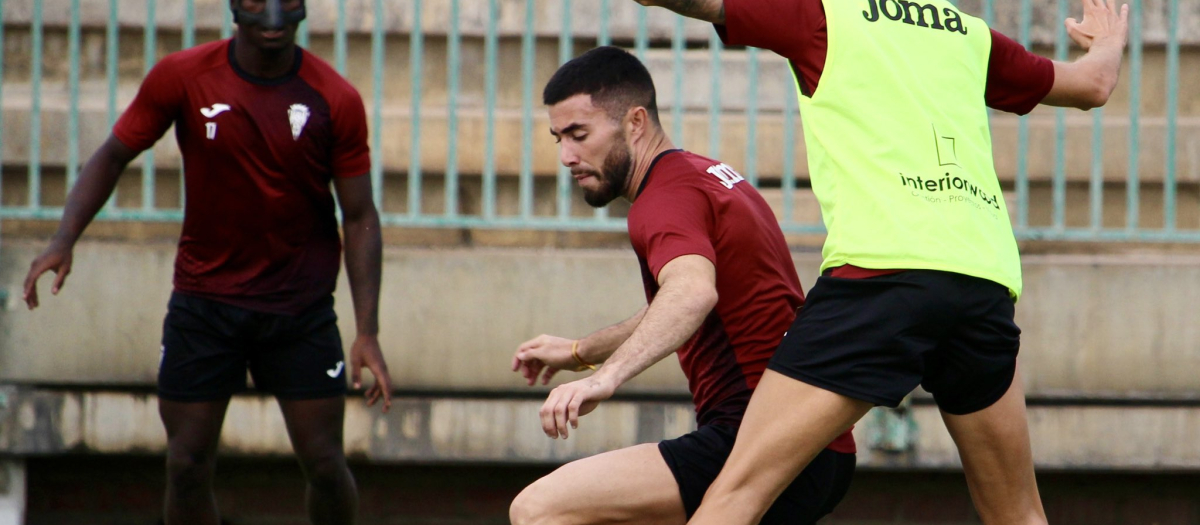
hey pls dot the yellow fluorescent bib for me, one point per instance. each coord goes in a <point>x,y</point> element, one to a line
<point>899,149</point>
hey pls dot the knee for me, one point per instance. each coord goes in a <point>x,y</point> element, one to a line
<point>326,469</point>
<point>188,471</point>
<point>530,507</point>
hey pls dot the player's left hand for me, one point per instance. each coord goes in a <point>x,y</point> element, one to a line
<point>365,352</point>
<point>566,403</point>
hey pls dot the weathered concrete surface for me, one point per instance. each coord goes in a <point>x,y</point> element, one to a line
<point>12,491</point>
<point>506,431</point>
<point>1093,325</point>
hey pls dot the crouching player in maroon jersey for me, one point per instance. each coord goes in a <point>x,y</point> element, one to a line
<point>264,127</point>
<point>722,290</point>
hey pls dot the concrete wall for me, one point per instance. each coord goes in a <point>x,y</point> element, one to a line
<point>1094,326</point>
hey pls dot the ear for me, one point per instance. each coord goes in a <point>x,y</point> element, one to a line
<point>637,123</point>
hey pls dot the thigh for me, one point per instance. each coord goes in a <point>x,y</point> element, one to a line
<point>315,425</point>
<point>202,356</point>
<point>300,357</point>
<point>630,485</point>
<point>193,428</point>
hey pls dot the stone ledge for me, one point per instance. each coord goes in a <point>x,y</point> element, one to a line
<point>463,430</point>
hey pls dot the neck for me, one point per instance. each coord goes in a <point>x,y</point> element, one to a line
<point>655,144</point>
<point>263,63</point>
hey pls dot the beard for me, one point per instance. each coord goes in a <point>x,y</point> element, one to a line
<point>613,176</point>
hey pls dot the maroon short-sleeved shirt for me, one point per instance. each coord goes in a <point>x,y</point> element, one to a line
<point>1017,80</point>
<point>692,205</point>
<point>259,229</point>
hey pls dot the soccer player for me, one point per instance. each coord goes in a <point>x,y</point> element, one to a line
<point>264,127</point>
<point>721,288</point>
<point>920,270</point>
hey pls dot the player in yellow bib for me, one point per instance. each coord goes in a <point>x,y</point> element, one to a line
<point>921,270</point>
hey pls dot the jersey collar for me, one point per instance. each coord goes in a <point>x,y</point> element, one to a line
<point>265,81</point>
<point>646,179</point>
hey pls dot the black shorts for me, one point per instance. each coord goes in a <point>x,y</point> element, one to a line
<point>207,347</point>
<point>696,458</point>
<point>876,339</point>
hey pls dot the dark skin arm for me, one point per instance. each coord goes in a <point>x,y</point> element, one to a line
<point>96,182</point>
<point>712,11</point>
<point>364,249</point>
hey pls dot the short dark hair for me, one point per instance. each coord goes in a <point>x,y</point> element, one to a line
<point>616,80</point>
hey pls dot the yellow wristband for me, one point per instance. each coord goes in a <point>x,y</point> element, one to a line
<point>575,353</point>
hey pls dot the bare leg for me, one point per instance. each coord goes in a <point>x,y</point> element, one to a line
<point>193,431</point>
<point>315,426</point>
<point>631,485</point>
<point>786,425</point>
<point>998,460</point>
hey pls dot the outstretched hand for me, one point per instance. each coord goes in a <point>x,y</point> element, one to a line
<point>1101,21</point>
<point>566,403</point>
<point>57,258</point>
<point>544,353</point>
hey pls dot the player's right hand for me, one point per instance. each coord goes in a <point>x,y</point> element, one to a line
<point>543,353</point>
<point>1101,20</point>
<point>57,257</point>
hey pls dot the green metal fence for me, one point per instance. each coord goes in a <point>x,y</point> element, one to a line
<point>677,49</point>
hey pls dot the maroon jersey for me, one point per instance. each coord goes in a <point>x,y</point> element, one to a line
<point>689,204</point>
<point>1017,80</point>
<point>259,229</point>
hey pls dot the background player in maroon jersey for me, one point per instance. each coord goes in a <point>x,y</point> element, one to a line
<point>721,288</point>
<point>264,127</point>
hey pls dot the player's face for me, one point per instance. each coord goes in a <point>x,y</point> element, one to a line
<point>594,147</point>
<point>269,37</point>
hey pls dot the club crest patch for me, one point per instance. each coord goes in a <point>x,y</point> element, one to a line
<point>298,117</point>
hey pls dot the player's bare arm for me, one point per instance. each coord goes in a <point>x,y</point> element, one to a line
<point>687,293</point>
<point>550,353</point>
<point>1088,81</point>
<point>712,11</point>
<point>96,182</point>
<point>364,249</point>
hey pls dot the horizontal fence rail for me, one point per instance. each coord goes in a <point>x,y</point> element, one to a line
<point>458,133</point>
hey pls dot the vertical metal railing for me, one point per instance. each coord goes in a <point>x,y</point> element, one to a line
<point>35,110</point>
<point>1170,199</point>
<point>150,56</point>
<point>1022,177</point>
<point>566,51</point>
<point>750,166</point>
<point>1059,180</point>
<point>528,56</point>
<point>2,63</point>
<point>714,109</point>
<point>73,37</point>
<point>378,39</point>
<point>491,43</point>
<point>416,45</point>
<point>453,67</point>
<point>1133,184</point>
<point>112,46</point>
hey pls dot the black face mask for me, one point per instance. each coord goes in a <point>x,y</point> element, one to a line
<point>272,17</point>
